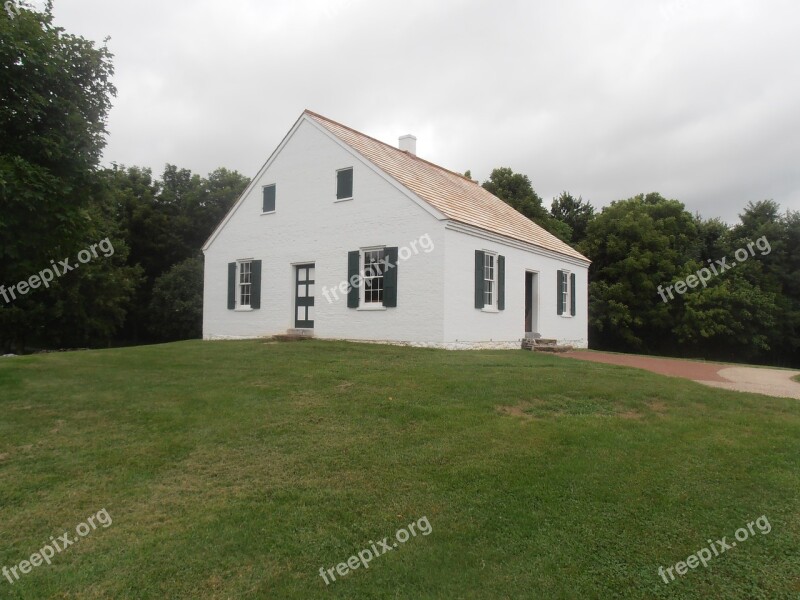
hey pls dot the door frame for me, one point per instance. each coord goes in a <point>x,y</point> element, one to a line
<point>308,300</point>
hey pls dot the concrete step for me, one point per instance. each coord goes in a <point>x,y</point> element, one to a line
<point>543,345</point>
<point>294,335</point>
<point>300,332</point>
<point>553,349</point>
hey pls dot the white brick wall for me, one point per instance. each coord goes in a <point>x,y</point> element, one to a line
<point>310,226</point>
<point>465,323</point>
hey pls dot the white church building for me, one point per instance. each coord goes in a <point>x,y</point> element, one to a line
<point>341,236</point>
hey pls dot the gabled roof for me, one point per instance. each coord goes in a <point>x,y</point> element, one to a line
<point>455,196</point>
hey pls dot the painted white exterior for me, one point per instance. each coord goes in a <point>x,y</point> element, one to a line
<point>435,283</point>
<point>464,323</point>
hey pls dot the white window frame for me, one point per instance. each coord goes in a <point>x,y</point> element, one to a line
<point>352,186</point>
<point>363,304</point>
<point>490,261</point>
<point>566,294</point>
<point>240,284</point>
<point>264,187</point>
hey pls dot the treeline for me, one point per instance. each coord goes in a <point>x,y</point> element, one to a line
<point>146,282</point>
<point>665,281</point>
<point>163,224</point>
<point>89,256</point>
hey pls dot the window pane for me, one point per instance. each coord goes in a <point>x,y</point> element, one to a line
<point>488,277</point>
<point>269,198</point>
<point>344,184</point>
<point>245,283</point>
<point>374,267</point>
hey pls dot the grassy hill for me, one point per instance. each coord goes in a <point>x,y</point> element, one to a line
<point>239,469</point>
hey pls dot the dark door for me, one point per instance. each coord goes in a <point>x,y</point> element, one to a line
<point>304,297</point>
<point>528,302</point>
<point>531,303</point>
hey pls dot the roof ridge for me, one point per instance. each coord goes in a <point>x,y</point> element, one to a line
<point>407,153</point>
<point>455,196</point>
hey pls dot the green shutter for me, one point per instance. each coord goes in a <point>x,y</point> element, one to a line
<point>255,293</point>
<point>344,184</point>
<point>501,282</point>
<point>559,284</point>
<point>269,199</point>
<point>231,286</point>
<point>479,264</point>
<point>572,294</point>
<point>353,264</point>
<point>390,278</point>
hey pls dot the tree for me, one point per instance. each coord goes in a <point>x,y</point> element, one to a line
<point>176,308</point>
<point>516,190</point>
<point>731,319</point>
<point>166,222</point>
<point>575,213</point>
<point>714,237</point>
<point>778,270</point>
<point>745,311</point>
<point>89,305</point>
<point>210,201</point>
<point>636,245</point>
<point>55,94</point>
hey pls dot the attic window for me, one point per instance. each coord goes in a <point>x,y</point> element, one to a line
<point>268,205</point>
<point>344,184</point>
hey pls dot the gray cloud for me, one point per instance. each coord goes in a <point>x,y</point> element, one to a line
<point>606,100</point>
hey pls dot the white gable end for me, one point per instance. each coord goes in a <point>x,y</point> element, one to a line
<point>310,225</point>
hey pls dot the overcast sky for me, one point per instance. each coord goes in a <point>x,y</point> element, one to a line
<point>698,100</point>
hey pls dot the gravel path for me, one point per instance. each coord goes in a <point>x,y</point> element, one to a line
<point>770,382</point>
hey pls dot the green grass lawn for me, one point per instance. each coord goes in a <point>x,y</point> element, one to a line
<point>238,469</point>
<point>796,378</point>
